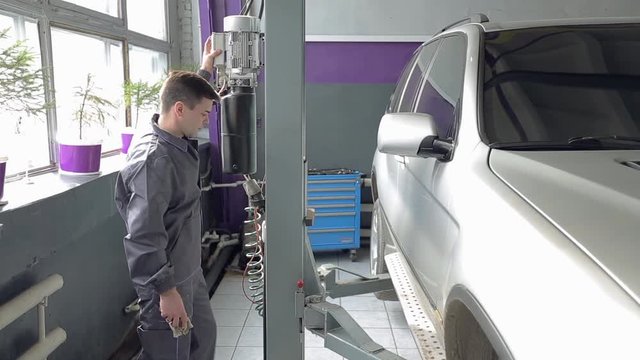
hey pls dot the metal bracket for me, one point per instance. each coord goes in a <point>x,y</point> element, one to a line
<point>363,285</point>
<point>342,334</point>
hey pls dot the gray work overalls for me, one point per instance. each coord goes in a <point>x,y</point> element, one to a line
<point>158,196</point>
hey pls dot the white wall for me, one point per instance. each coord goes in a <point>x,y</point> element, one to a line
<point>189,31</point>
<point>425,17</point>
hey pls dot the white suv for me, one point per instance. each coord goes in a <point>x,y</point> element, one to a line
<point>507,178</point>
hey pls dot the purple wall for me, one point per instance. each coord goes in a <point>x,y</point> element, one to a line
<point>356,62</point>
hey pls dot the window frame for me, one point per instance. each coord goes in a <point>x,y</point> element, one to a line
<point>401,83</point>
<point>65,15</point>
<point>456,112</point>
<point>425,73</point>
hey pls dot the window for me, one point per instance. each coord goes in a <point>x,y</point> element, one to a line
<point>420,68</point>
<point>397,93</point>
<point>146,66</point>
<point>549,85</point>
<point>443,87</point>
<point>102,60</point>
<point>68,40</point>
<point>23,137</point>
<point>109,7</point>
<point>148,17</point>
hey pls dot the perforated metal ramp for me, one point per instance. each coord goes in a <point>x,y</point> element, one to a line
<point>414,305</point>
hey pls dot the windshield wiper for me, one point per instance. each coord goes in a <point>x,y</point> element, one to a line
<point>603,140</point>
<point>530,145</point>
<point>574,143</point>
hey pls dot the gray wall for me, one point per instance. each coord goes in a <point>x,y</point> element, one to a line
<point>77,234</point>
<point>366,17</point>
<point>424,17</point>
<point>342,123</point>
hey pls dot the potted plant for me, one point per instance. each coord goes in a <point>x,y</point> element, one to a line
<point>21,89</point>
<point>82,155</point>
<point>139,95</point>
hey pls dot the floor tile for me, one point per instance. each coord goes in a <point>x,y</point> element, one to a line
<point>408,354</point>
<point>248,353</point>
<point>230,288</point>
<point>224,352</point>
<point>312,340</point>
<point>230,317</point>
<point>371,319</point>
<point>404,339</point>
<point>228,336</point>
<point>393,306</point>
<point>251,336</point>
<point>369,303</point>
<point>320,354</point>
<point>254,319</point>
<point>230,302</point>
<point>384,337</point>
<point>397,320</point>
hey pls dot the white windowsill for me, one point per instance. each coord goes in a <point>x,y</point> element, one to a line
<point>20,193</point>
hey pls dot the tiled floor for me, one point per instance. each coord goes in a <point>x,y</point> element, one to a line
<point>240,328</point>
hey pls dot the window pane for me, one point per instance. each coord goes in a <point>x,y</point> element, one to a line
<point>149,67</point>
<point>417,74</point>
<point>23,137</point>
<point>397,93</point>
<point>109,7</point>
<point>553,84</point>
<point>443,87</point>
<point>102,59</point>
<point>148,17</point>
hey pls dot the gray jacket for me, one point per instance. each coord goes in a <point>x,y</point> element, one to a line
<point>158,196</point>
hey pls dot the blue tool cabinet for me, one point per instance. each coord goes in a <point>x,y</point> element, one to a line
<point>336,200</point>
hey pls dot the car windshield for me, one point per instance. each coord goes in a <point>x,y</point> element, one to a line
<point>547,87</point>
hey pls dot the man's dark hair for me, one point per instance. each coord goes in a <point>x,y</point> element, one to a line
<point>185,86</point>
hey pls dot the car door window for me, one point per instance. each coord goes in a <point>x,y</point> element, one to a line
<point>397,93</point>
<point>441,91</point>
<point>414,79</point>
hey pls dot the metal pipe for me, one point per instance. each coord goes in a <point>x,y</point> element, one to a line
<point>42,329</point>
<point>46,346</point>
<point>225,185</point>
<point>31,297</point>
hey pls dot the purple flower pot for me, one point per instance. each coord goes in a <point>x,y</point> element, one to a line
<point>3,172</point>
<point>80,158</point>
<point>126,141</point>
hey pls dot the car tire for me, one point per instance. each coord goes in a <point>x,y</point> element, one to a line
<point>464,338</point>
<point>376,252</point>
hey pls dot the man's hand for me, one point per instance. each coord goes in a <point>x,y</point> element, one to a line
<point>208,54</point>
<point>172,309</point>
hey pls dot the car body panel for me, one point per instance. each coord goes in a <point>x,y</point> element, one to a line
<point>590,196</point>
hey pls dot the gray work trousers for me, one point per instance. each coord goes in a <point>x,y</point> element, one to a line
<point>156,336</point>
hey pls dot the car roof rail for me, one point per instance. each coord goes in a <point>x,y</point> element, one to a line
<point>475,18</point>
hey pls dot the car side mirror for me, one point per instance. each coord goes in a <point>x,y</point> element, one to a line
<point>413,135</point>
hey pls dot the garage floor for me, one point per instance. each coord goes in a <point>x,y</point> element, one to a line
<point>240,327</point>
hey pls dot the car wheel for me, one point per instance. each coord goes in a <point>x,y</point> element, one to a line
<point>464,338</point>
